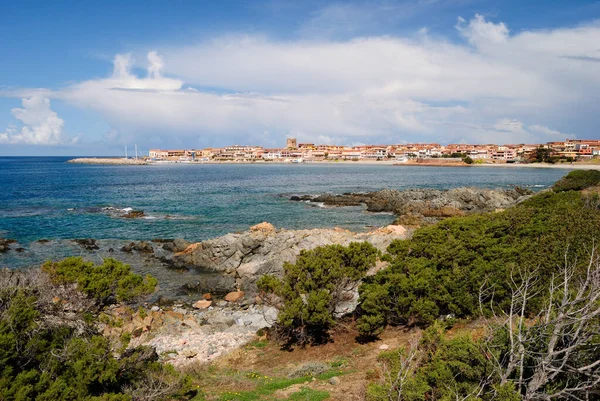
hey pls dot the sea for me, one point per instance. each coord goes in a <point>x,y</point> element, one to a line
<point>48,198</point>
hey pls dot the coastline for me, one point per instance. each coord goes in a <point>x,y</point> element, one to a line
<point>395,163</point>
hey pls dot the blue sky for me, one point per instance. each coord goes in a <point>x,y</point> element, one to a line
<point>87,78</point>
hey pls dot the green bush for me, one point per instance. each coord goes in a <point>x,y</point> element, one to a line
<point>41,361</point>
<point>468,160</point>
<point>313,287</point>
<point>441,269</point>
<point>577,180</point>
<point>441,369</point>
<point>110,282</point>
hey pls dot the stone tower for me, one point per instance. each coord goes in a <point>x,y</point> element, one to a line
<point>292,143</point>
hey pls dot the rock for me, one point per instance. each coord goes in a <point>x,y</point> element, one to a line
<point>143,247</point>
<point>234,296</point>
<point>155,308</point>
<point>207,296</point>
<point>216,284</point>
<point>429,202</point>
<point>202,304</point>
<point>128,248</point>
<point>334,381</point>
<point>133,214</point>
<point>191,323</point>
<point>87,243</point>
<point>180,245</point>
<point>19,250</point>
<point>264,227</point>
<point>384,347</point>
<point>246,256</point>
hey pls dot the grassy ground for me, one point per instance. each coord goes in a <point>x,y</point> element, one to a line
<point>262,371</point>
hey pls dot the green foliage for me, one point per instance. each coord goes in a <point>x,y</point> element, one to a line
<point>110,282</point>
<point>468,160</point>
<point>441,369</point>
<point>577,180</point>
<point>313,287</point>
<point>441,269</point>
<point>54,362</point>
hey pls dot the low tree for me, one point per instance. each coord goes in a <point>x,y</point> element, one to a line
<point>311,290</point>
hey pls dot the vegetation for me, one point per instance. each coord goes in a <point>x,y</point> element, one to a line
<point>552,355</point>
<point>110,282</point>
<point>311,289</point>
<point>51,350</point>
<point>436,368</point>
<point>441,269</point>
<point>468,160</point>
<point>577,180</point>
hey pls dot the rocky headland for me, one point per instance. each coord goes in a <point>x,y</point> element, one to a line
<point>415,207</point>
<point>244,257</point>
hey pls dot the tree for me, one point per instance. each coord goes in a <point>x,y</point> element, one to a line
<point>311,290</point>
<point>468,160</point>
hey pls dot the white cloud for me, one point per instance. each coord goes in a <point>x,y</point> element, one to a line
<point>494,87</point>
<point>41,125</point>
<point>480,32</point>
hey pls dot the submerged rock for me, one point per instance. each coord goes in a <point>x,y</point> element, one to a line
<point>133,214</point>
<point>5,244</point>
<point>87,243</point>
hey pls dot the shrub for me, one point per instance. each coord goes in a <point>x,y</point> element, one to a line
<point>435,369</point>
<point>313,287</point>
<point>110,282</point>
<point>468,160</point>
<point>441,269</point>
<point>56,362</point>
<point>577,180</point>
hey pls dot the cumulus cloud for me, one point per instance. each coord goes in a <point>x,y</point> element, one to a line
<point>480,32</point>
<point>41,125</point>
<point>492,87</point>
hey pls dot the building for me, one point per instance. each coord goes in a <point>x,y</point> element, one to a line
<point>292,143</point>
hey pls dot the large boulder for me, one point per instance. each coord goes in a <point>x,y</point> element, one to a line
<point>247,256</point>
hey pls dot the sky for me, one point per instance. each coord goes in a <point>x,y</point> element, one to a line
<point>89,78</point>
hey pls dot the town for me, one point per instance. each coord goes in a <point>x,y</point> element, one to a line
<point>570,150</point>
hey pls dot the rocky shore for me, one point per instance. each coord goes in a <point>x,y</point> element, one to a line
<point>246,256</point>
<point>415,207</point>
<point>206,304</point>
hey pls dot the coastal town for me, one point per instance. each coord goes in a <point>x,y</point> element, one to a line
<point>568,150</point>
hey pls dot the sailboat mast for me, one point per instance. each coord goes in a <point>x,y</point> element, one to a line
<point>136,156</point>
<point>126,151</point>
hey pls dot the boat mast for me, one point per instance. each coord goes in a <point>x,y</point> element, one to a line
<point>136,156</point>
<point>126,151</point>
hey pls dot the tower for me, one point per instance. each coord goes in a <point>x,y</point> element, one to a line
<point>292,143</point>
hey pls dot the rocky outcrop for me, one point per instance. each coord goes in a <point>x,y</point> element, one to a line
<point>5,244</point>
<point>417,206</point>
<point>263,250</point>
<point>183,336</point>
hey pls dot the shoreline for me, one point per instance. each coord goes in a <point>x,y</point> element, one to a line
<point>395,163</point>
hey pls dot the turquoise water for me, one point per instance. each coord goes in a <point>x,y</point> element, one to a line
<point>47,198</point>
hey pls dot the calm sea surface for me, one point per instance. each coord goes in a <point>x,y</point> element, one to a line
<point>47,198</point>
